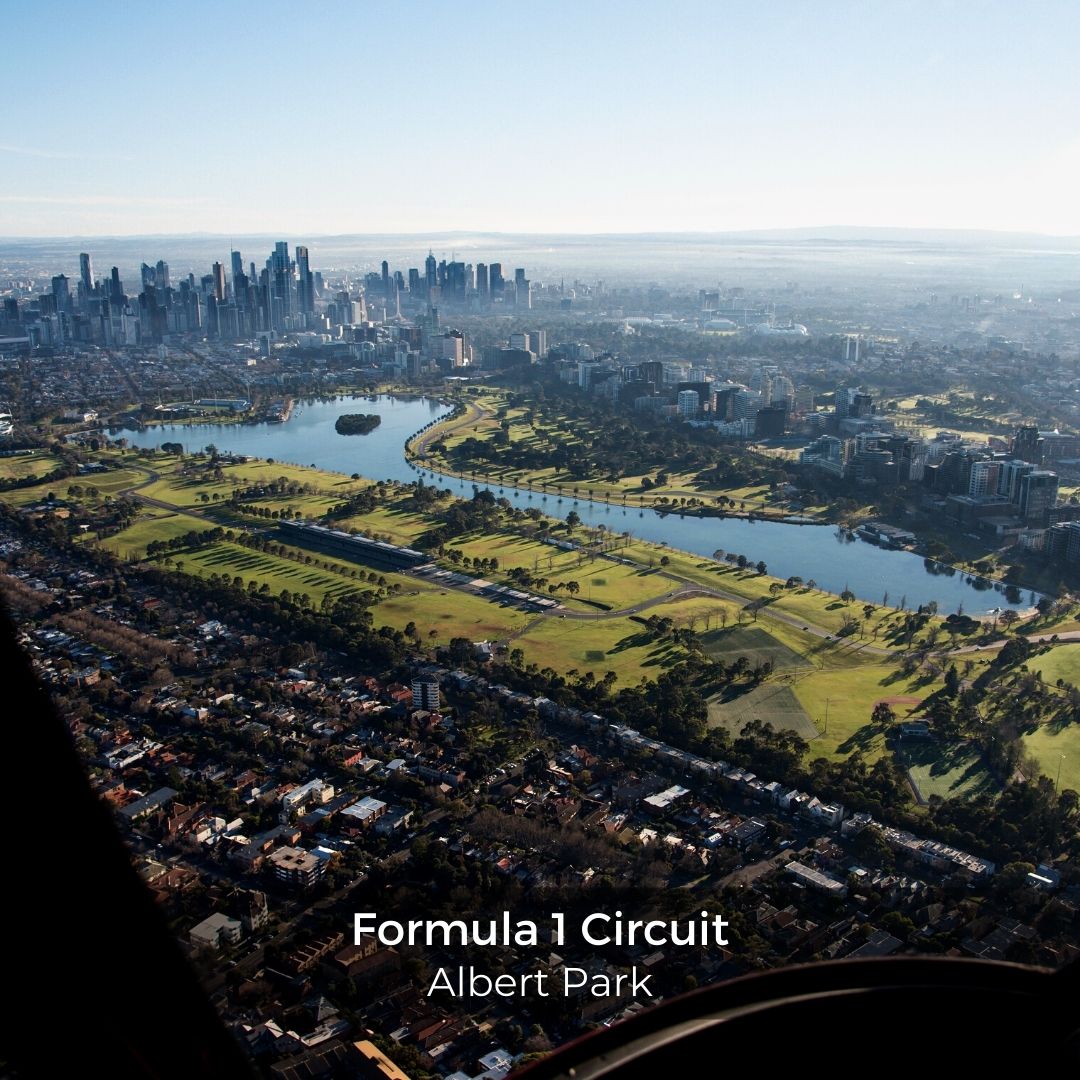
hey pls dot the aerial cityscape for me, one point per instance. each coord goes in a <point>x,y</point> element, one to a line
<point>504,565</point>
<point>550,591</point>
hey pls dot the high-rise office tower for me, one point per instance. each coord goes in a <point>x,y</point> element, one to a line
<point>147,274</point>
<point>386,278</point>
<point>414,281</point>
<point>86,273</point>
<point>454,285</point>
<point>161,274</point>
<point>61,293</point>
<point>522,289</point>
<point>305,285</point>
<point>242,298</point>
<point>496,282</point>
<point>430,271</point>
<point>1027,445</point>
<point>264,294</point>
<point>237,265</point>
<point>1038,493</point>
<point>283,286</point>
<point>116,286</point>
<point>482,289</point>
<point>219,281</point>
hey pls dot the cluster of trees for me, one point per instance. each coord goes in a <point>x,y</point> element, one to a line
<point>192,540</point>
<point>115,637</point>
<point>1026,822</point>
<point>587,439</point>
<point>357,423</point>
<point>743,563</point>
<point>459,558</point>
<point>346,624</point>
<point>479,514</point>
<point>281,488</point>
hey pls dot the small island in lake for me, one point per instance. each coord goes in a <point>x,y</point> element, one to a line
<point>357,423</point>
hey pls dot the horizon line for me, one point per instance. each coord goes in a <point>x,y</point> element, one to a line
<point>642,233</point>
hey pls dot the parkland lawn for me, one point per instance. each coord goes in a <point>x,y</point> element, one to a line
<point>28,466</point>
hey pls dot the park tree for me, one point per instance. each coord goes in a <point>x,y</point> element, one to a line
<point>952,681</point>
<point>883,715</point>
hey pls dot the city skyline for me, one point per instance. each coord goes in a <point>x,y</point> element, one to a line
<point>593,120</point>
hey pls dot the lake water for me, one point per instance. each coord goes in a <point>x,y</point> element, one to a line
<point>819,552</point>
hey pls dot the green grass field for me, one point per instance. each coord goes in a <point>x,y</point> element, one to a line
<point>28,496</point>
<point>772,702</point>
<point>698,613</point>
<point>107,483</point>
<point>845,690</point>
<point>1057,749</point>
<point>1060,662</point>
<point>189,491</point>
<point>277,573</point>
<point>598,645</point>
<point>812,606</point>
<point>114,481</point>
<point>450,614</point>
<point>400,525</point>
<point>599,580</point>
<point>153,524</point>
<point>755,644</point>
<point>950,772</point>
<point>24,466</point>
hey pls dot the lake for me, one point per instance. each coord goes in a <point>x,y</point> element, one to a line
<point>832,559</point>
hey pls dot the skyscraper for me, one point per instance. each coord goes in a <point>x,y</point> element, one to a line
<point>61,293</point>
<point>282,286</point>
<point>237,265</point>
<point>219,281</point>
<point>305,286</point>
<point>522,289</point>
<point>86,273</point>
<point>1026,445</point>
<point>495,278</point>
<point>482,286</point>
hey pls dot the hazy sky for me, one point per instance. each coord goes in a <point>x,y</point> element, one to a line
<point>317,117</point>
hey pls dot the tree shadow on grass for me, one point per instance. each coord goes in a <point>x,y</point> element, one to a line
<point>893,677</point>
<point>860,739</point>
<point>632,641</point>
<point>1061,721</point>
